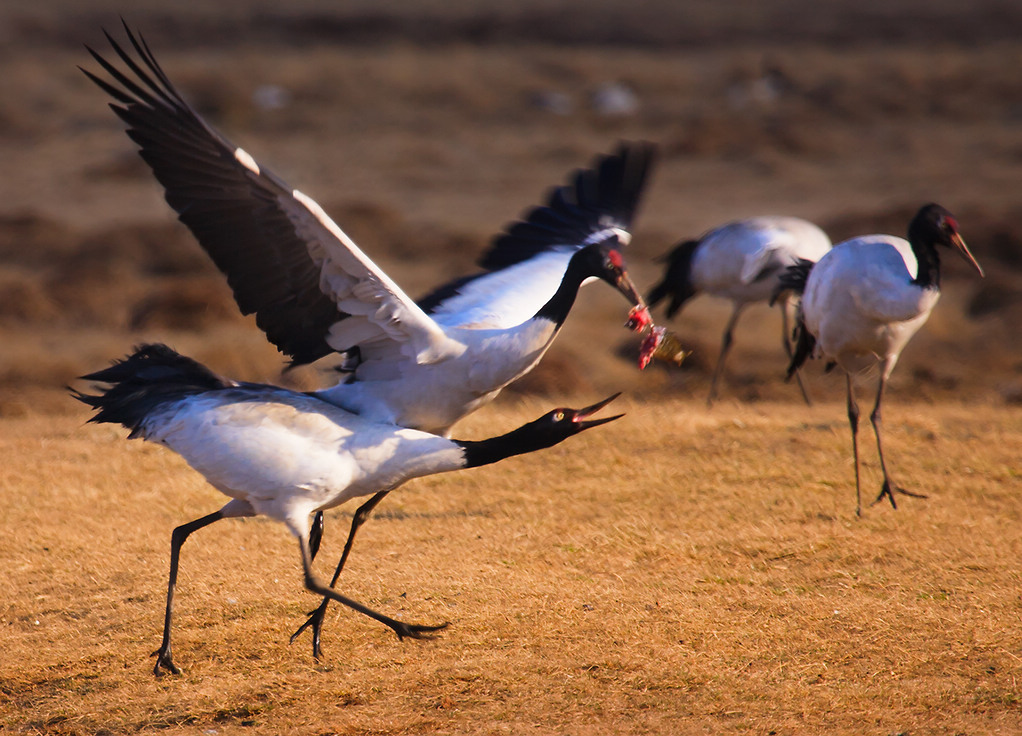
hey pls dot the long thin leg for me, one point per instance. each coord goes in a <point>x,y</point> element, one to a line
<point>888,489</point>
<point>163,658</point>
<point>402,629</point>
<point>315,619</point>
<point>316,534</point>
<point>725,348</point>
<point>853,420</point>
<point>786,335</point>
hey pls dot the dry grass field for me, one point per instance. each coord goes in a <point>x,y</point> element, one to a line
<point>674,572</point>
<point>682,570</point>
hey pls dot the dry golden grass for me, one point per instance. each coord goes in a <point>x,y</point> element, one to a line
<point>678,571</point>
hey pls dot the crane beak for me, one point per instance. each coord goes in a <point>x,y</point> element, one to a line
<point>581,417</point>
<point>625,286</point>
<point>639,318</point>
<point>963,250</point>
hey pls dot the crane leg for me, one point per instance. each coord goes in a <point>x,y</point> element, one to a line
<point>316,617</point>
<point>725,348</point>
<point>312,583</point>
<point>316,534</point>
<point>180,534</point>
<point>888,489</point>
<point>853,421</point>
<point>788,351</point>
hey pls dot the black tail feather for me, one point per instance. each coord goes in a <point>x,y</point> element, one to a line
<point>150,377</point>
<point>677,280</point>
<point>792,280</point>
<point>805,343</point>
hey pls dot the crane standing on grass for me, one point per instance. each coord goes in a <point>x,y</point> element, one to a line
<point>739,261</point>
<point>862,303</point>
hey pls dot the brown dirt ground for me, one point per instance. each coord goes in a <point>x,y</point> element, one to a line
<point>720,588</point>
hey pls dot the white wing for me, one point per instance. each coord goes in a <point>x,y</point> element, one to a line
<point>883,291</point>
<point>377,310</point>
<point>774,243</point>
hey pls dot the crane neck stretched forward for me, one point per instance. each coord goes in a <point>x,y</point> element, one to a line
<point>547,431</point>
<point>495,449</point>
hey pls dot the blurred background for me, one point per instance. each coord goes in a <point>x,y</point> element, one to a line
<point>423,128</point>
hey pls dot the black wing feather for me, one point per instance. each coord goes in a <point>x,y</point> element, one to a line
<point>605,195</point>
<point>439,295</point>
<point>233,212</point>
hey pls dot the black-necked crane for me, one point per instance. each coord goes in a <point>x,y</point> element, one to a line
<point>285,454</point>
<point>424,364</point>
<point>315,293</point>
<point>739,261</point>
<point>861,304</point>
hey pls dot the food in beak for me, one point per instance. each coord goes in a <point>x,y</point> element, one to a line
<point>662,345</point>
<point>639,318</point>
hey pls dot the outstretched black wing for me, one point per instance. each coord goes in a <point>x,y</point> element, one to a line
<point>526,262</point>
<point>603,197</point>
<point>312,290</point>
<point>236,209</point>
